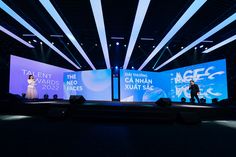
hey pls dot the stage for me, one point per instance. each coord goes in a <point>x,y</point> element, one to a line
<point>115,110</point>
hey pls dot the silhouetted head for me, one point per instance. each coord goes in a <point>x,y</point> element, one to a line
<point>192,82</point>
<point>31,76</point>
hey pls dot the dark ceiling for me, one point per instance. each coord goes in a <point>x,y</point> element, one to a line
<point>119,17</point>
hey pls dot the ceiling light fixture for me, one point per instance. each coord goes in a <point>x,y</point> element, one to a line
<point>16,37</point>
<point>147,38</point>
<point>98,16</point>
<point>118,38</point>
<point>220,44</point>
<point>14,15</point>
<point>57,18</point>
<point>138,21</point>
<point>195,6</point>
<point>56,36</point>
<point>217,28</point>
<point>28,35</point>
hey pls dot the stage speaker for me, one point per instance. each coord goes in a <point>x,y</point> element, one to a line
<point>203,101</point>
<point>163,102</point>
<point>77,100</point>
<point>214,100</point>
<point>224,102</point>
<point>13,99</point>
<point>183,100</point>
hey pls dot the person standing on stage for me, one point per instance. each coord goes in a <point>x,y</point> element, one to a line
<point>194,91</point>
<point>31,89</point>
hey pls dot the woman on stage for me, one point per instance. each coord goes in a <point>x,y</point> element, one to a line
<point>31,89</point>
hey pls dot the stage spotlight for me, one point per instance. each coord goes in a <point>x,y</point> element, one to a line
<point>95,44</point>
<point>202,100</point>
<point>68,43</point>
<point>109,45</point>
<point>41,43</point>
<point>201,46</point>
<point>132,67</point>
<point>167,47</point>
<point>214,100</point>
<point>81,44</point>
<point>153,46</point>
<point>164,102</point>
<point>53,43</point>
<point>116,67</point>
<point>23,95</point>
<point>29,42</point>
<point>45,96</point>
<point>195,48</point>
<point>35,41</point>
<point>117,43</point>
<point>125,45</point>
<point>139,46</point>
<point>183,100</point>
<point>55,97</point>
<point>182,47</point>
<point>206,48</point>
<point>76,100</point>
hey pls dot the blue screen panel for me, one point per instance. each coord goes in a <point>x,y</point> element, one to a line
<point>115,88</point>
<point>142,86</point>
<point>92,85</point>
<point>211,78</point>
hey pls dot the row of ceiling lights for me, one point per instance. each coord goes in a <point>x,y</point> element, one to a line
<point>117,44</point>
<point>139,17</point>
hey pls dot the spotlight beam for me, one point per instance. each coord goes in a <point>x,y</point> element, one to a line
<point>14,15</point>
<point>195,6</point>
<point>15,37</point>
<point>98,16</point>
<point>220,44</point>
<point>139,17</point>
<point>57,18</point>
<point>217,28</point>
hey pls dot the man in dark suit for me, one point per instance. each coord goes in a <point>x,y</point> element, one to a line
<point>194,91</point>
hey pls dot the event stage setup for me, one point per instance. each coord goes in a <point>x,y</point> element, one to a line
<point>160,111</point>
<point>131,94</point>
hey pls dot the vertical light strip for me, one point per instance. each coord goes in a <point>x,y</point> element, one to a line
<point>220,44</point>
<point>217,28</point>
<point>14,15</point>
<point>15,37</point>
<point>195,6</point>
<point>138,21</point>
<point>57,18</point>
<point>98,16</point>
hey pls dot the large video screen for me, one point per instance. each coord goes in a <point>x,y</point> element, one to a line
<point>141,86</point>
<point>49,78</point>
<point>92,84</point>
<point>211,77</point>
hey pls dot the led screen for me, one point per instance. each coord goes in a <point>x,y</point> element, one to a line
<point>141,86</point>
<point>92,85</point>
<point>211,78</point>
<point>49,79</point>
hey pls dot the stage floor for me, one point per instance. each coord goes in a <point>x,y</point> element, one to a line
<point>120,110</point>
<point>135,110</point>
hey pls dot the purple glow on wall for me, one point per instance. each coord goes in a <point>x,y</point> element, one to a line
<point>49,78</point>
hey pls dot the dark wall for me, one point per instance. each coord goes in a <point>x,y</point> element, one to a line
<point>4,69</point>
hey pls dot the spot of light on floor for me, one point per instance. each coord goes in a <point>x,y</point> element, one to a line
<point>13,117</point>
<point>226,123</point>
